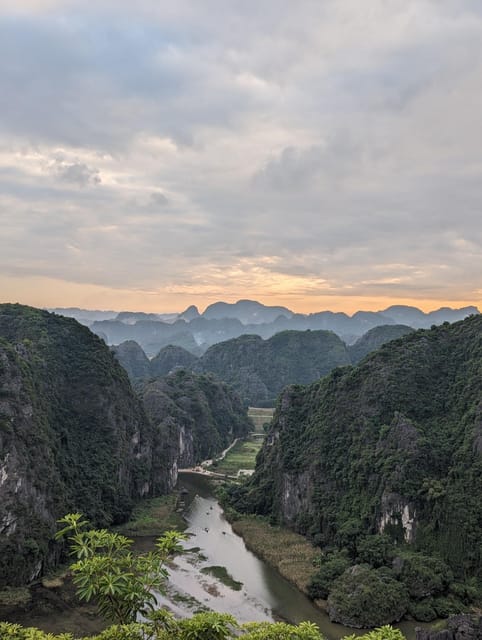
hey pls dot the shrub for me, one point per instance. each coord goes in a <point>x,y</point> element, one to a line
<point>122,584</point>
<point>377,550</point>
<point>366,597</point>
<point>329,570</point>
<point>424,575</point>
<point>422,610</point>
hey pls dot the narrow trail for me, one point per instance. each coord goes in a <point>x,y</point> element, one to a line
<point>201,467</point>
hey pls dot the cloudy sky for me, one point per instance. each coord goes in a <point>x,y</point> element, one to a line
<point>318,154</point>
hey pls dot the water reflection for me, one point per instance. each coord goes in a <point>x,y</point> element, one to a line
<point>265,594</point>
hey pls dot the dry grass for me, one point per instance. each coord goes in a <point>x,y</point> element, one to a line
<point>291,554</point>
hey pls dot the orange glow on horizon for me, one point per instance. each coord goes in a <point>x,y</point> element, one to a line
<point>46,292</point>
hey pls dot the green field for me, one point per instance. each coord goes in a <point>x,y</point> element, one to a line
<point>260,417</point>
<point>243,455</point>
<point>154,516</point>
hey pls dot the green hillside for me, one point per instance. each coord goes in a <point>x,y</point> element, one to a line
<point>392,447</point>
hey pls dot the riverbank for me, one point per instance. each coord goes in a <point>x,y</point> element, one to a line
<point>154,516</point>
<point>51,604</point>
<point>288,552</point>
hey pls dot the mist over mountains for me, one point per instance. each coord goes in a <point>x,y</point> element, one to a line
<point>196,332</point>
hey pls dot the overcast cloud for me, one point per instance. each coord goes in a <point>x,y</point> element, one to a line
<point>208,150</point>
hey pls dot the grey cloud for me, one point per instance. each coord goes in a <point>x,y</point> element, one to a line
<point>307,135</point>
<point>77,173</point>
<point>158,199</point>
<point>296,168</point>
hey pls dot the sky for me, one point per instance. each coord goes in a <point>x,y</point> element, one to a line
<point>322,154</point>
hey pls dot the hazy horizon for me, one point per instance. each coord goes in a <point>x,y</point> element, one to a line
<point>426,308</point>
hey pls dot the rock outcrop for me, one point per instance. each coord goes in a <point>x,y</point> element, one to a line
<point>73,436</point>
<point>391,446</point>
<point>194,416</point>
<point>462,627</point>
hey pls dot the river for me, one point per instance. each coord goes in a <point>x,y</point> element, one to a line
<point>220,573</point>
<point>216,572</point>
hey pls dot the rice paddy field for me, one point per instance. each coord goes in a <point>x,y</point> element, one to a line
<point>242,457</point>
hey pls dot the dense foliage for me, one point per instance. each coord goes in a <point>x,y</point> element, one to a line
<point>375,338</point>
<point>120,582</point>
<point>259,369</point>
<point>139,367</point>
<point>72,436</point>
<point>392,446</point>
<point>203,626</point>
<point>195,416</point>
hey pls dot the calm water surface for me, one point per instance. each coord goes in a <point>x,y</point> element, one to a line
<point>264,594</point>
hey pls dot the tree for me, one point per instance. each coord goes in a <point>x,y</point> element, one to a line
<point>106,570</point>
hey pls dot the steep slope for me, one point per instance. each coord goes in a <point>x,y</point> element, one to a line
<point>131,356</point>
<point>138,366</point>
<point>73,436</point>
<point>258,369</point>
<point>170,358</point>
<point>393,445</point>
<point>375,338</point>
<point>195,417</point>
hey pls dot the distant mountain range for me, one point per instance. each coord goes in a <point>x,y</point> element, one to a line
<point>258,369</point>
<point>222,321</point>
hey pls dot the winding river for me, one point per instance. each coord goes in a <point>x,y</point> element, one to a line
<point>217,572</point>
<point>220,573</point>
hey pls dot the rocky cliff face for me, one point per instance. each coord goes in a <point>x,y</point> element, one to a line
<point>194,416</point>
<point>73,436</point>
<point>463,627</point>
<point>391,446</point>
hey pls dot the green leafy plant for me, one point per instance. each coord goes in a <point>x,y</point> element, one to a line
<point>106,570</point>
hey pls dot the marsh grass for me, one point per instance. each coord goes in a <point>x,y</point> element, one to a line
<point>14,596</point>
<point>288,552</point>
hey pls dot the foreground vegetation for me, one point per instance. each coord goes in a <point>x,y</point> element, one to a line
<point>123,586</point>
<point>202,626</point>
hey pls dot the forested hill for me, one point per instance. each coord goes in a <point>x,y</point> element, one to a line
<point>195,417</point>
<point>393,445</point>
<point>375,338</point>
<point>259,369</point>
<point>73,436</point>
